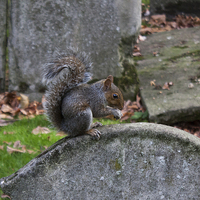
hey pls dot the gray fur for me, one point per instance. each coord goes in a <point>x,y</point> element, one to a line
<point>59,80</point>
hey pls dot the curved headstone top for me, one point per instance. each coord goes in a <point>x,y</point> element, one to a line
<point>130,161</point>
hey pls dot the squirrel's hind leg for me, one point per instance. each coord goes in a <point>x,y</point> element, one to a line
<point>94,133</point>
<point>80,124</point>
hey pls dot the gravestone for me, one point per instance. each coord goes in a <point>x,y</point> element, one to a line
<point>130,161</point>
<point>3,31</point>
<point>41,29</point>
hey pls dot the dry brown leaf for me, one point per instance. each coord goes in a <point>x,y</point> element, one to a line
<point>41,130</point>
<point>6,122</point>
<point>24,102</point>
<point>8,133</point>
<point>1,147</point>
<point>136,49</point>
<point>11,98</point>
<point>146,30</point>
<point>11,150</point>
<point>158,20</point>
<point>7,109</point>
<point>4,116</point>
<point>172,24</point>
<point>152,83</point>
<point>30,151</point>
<point>138,98</point>
<point>137,54</point>
<point>142,38</point>
<point>2,99</point>
<point>165,86</point>
<point>30,116</point>
<point>5,196</point>
<point>24,112</point>
<point>133,107</point>
<point>60,133</point>
<point>8,143</point>
<point>17,144</point>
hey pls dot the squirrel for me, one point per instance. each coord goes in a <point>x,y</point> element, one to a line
<point>71,103</point>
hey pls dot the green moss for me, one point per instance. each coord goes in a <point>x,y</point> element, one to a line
<point>117,165</point>
<point>192,54</point>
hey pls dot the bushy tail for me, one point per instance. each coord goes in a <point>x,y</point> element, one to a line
<point>65,72</point>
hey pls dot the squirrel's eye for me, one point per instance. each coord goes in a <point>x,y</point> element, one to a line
<point>115,96</point>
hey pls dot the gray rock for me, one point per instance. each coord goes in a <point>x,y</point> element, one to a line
<point>130,161</point>
<point>175,7</point>
<point>40,29</point>
<point>3,31</point>
<point>177,61</point>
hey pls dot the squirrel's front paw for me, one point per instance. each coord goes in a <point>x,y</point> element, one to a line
<point>117,114</point>
<point>94,133</point>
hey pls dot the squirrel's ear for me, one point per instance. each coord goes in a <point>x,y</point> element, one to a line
<point>107,82</point>
<point>111,78</point>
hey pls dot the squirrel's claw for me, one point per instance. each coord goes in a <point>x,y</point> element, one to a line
<point>96,124</point>
<point>94,133</point>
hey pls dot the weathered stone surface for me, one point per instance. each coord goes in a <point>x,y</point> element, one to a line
<point>177,62</point>
<point>3,13</point>
<point>130,161</point>
<point>40,29</point>
<point>175,7</point>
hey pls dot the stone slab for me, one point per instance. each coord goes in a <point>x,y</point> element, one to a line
<point>177,61</point>
<point>41,29</point>
<point>130,161</point>
<point>3,31</point>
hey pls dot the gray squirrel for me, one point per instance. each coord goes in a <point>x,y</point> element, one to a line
<point>70,103</point>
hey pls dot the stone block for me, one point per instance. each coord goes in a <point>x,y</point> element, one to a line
<point>40,29</point>
<point>177,61</point>
<point>3,38</point>
<point>130,161</point>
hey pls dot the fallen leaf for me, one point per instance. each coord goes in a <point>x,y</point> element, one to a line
<point>41,130</point>
<point>8,133</point>
<point>17,144</point>
<point>60,133</point>
<point>142,38</point>
<point>24,112</point>
<point>5,116</point>
<point>190,85</point>
<point>158,20</point>
<point>1,147</point>
<point>138,98</point>
<point>133,107</point>
<point>8,143</point>
<point>24,102</point>
<point>157,87</point>
<point>146,30</point>
<point>11,150</point>
<point>30,151</point>
<point>165,86</point>
<point>11,98</point>
<point>7,109</point>
<point>2,99</point>
<point>6,122</point>
<point>137,54</point>
<point>136,49</point>
<point>5,196</point>
<point>152,83</point>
